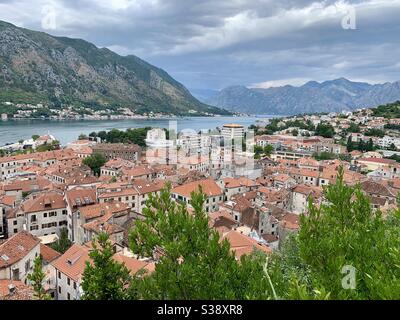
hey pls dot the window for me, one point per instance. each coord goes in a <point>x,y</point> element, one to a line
<point>74,285</point>
<point>45,215</point>
<point>64,212</point>
<point>27,265</point>
<point>69,281</point>
<point>59,289</point>
<point>59,275</point>
<point>15,230</point>
<point>68,296</point>
<point>15,222</point>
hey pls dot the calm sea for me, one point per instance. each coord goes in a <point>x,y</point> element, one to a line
<point>68,130</point>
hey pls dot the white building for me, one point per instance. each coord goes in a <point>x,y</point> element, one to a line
<point>69,270</point>
<point>157,138</point>
<point>232,131</point>
<point>41,214</point>
<point>191,142</point>
<point>17,255</point>
<point>387,141</point>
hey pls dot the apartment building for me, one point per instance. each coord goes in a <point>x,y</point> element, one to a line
<point>40,214</point>
<point>17,255</point>
<point>131,152</point>
<point>232,131</point>
<point>214,194</point>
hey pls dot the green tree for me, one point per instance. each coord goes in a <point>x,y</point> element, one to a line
<point>350,145</point>
<point>353,128</point>
<point>325,130</point>
<point>95,162</point>
<point>324,156</point>
<point>346,231</point>
<point>83,137</point>
<point>375,133</point>
<point>36,279</point>
<point>105,278</point>
<point>268,149</point>
<point>35,137</point>
<point>194,263</point>
<point>63,243</point>
<point>392,147</point>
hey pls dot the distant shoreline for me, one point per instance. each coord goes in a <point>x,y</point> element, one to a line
<point>150,118</point>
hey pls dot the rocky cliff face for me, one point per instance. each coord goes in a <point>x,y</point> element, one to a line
<point>37,67</point>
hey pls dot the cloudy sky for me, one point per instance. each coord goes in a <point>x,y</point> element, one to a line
<point>211,44</point>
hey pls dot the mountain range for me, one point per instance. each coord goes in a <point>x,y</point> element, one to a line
<point>36,67</point>
<point>329,96</point>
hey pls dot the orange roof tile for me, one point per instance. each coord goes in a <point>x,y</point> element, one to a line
<point>209,187</point>
<point>17,247</point>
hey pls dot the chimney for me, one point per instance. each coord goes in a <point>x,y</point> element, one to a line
<point>11,289</point>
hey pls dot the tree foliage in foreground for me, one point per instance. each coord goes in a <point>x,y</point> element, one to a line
<point>105,278</point>
<point>343,232</point>
<point>36,279</point>
<point>346,232</point>
<point>194,262</point>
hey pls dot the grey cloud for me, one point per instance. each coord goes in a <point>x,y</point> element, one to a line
<point>216,43</point>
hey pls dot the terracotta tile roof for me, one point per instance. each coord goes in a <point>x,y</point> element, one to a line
<point>239,182</point>
<point>138,171</point>
<point>221,220</point>
<point>48,254</point>
<point>8,200</point>
<point>84,150</point>
<point>308,173</point>
<point>101,209</point>
<point>241,244</point>
<point>118,163</point>
<point>21,291</point>
<point>290,221</point>
<point>73,262</point>
<point>307,190</point>
<point>377,160</point>
<point>79,196</point>
<point>120,193</point>
<point>116,146</point>
<point>17,247</point>
<point>114,186</point>
<point>282,177</point>
<point>145,186</point>
<point>309,162</point>
<point>99,225</point>
<point>209,186</point>
<point>134,265</point>
<point>49,200</point>
<point>27,185</point>
<point>20,157</point>
<point>375,188</point>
